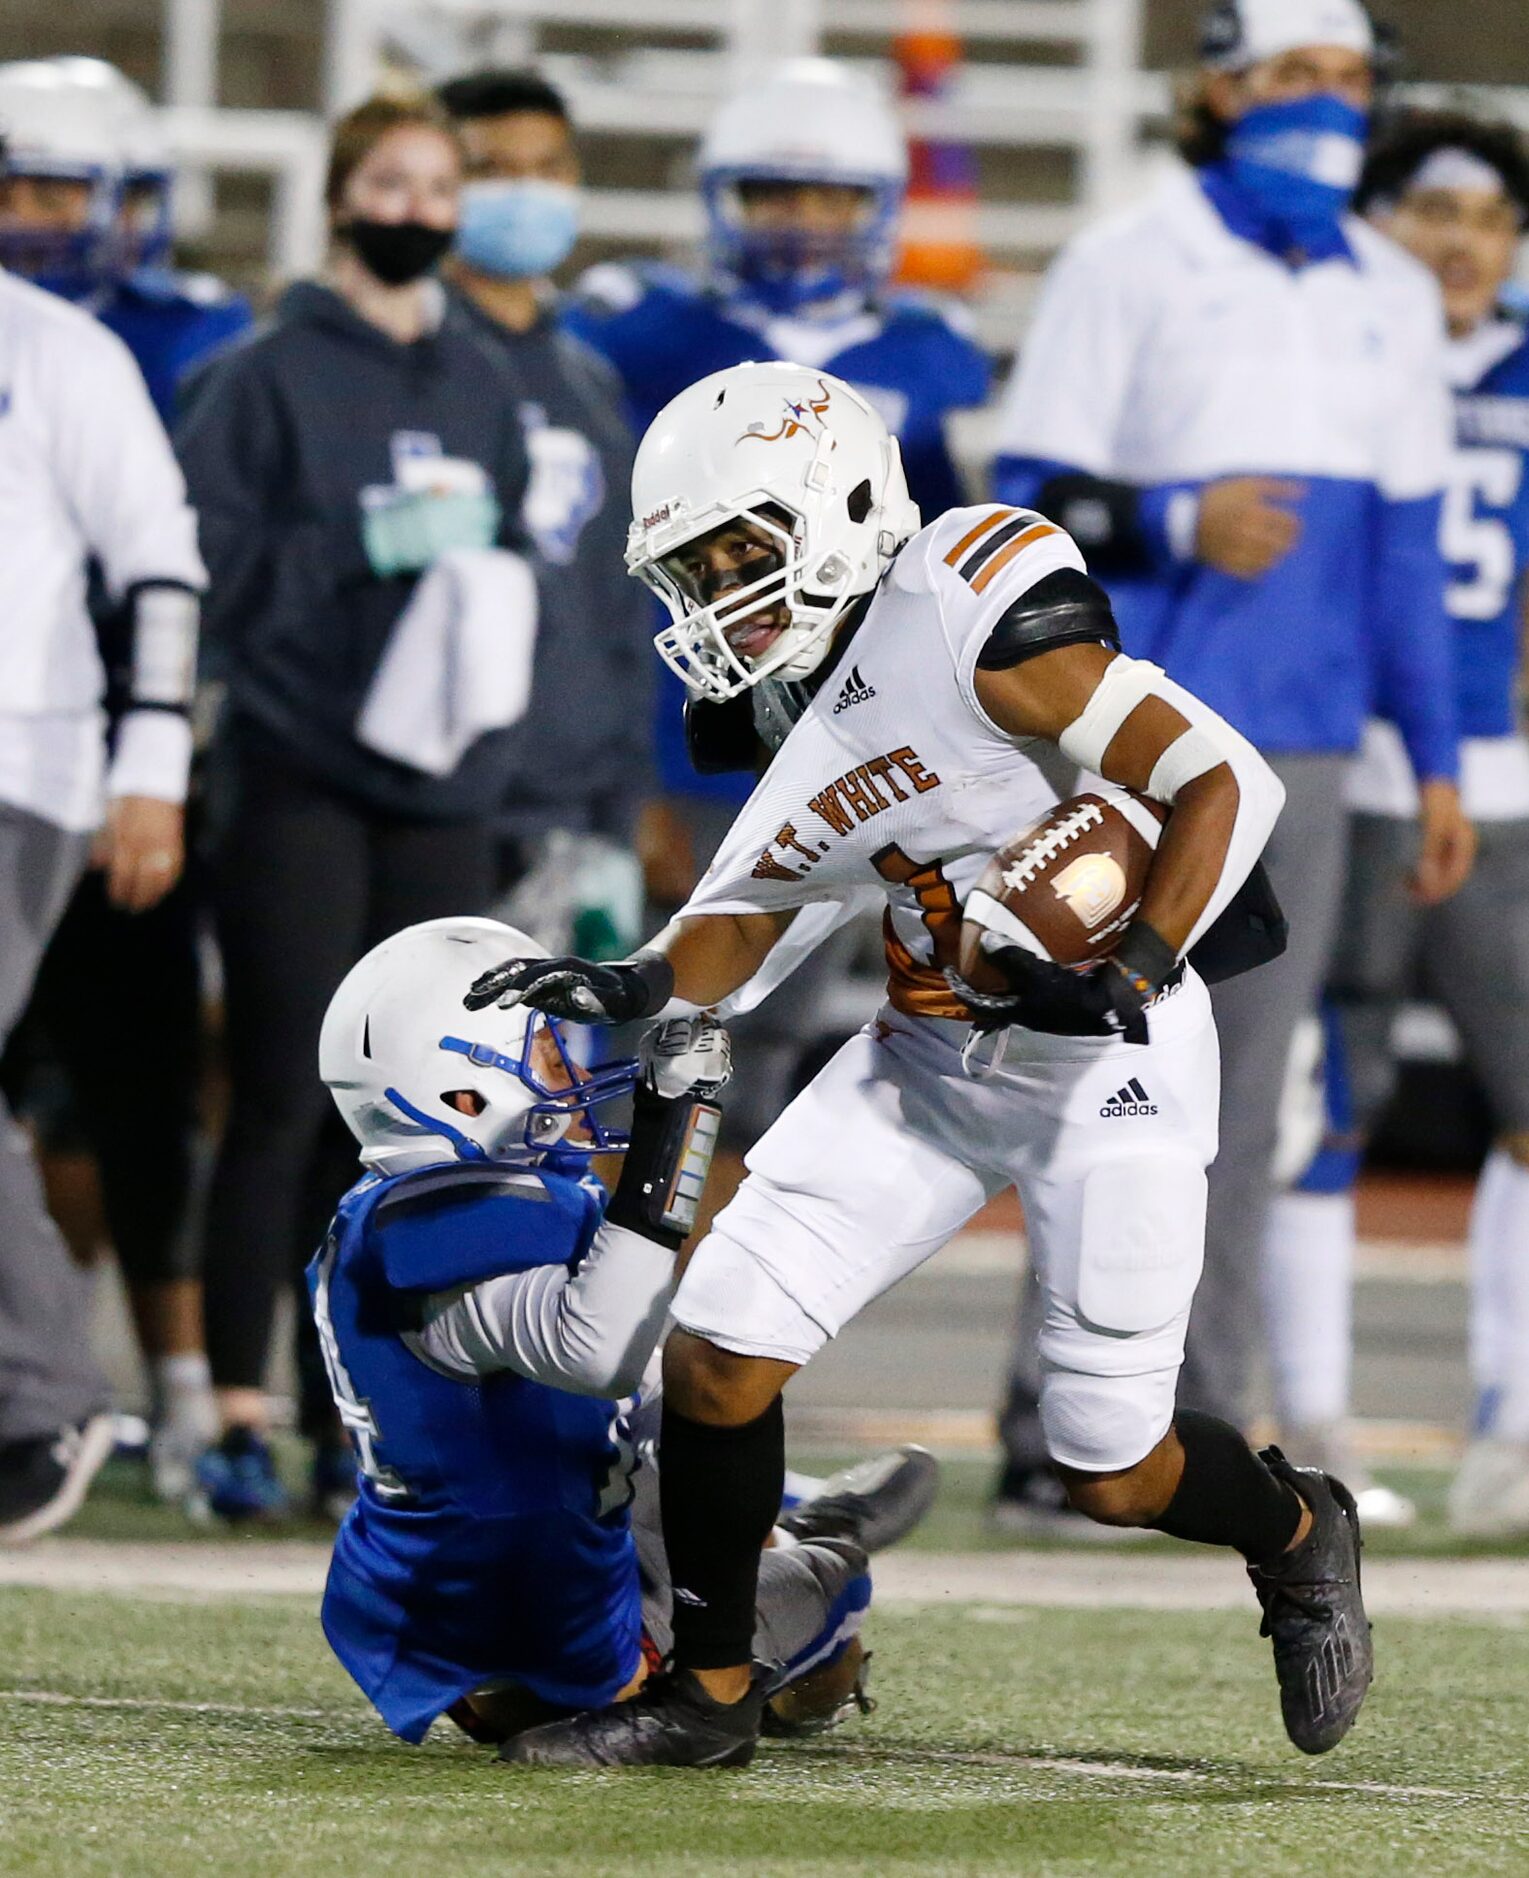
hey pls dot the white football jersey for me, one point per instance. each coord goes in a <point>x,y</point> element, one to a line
<point>894,776</point>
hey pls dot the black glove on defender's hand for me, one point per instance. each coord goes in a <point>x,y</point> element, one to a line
<point>579,989</point>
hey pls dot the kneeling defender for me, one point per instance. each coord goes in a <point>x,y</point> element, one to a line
<point>486,1320</point>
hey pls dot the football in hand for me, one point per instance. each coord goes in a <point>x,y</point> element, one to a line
<point>1066,889</point>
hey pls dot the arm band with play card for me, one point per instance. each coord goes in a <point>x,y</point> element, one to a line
<point>665,1168</point>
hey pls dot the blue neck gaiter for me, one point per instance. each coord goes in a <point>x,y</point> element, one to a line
<point>1288,176</point>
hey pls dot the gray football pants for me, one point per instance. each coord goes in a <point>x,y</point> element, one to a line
<point>1256,1018</point>
<point>47,1374</point>
<point>797,1584</point>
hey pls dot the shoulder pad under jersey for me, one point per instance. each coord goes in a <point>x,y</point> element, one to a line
<point>1064,608</point>
<point>164,286</point>
<point>990,553</point>
<point>933,309</point>
<point>450,1225</point>
<point>615,287</point>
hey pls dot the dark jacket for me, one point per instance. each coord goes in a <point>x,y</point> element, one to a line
<point>583,752</point>
<point>277,440</point>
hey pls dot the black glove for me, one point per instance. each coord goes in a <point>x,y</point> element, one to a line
<point>579,989</point>
<point>1109,1001</point>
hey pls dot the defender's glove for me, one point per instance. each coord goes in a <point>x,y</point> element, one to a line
<point>686,1056</point>
<point>578,989</point>
<point>1109,1001</point>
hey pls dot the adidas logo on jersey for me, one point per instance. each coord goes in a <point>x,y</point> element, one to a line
<point>854,691</point>
<point>1132,1100</point>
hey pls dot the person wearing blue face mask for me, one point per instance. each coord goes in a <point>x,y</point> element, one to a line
<point>585,772</point>
<point>1234,397</point>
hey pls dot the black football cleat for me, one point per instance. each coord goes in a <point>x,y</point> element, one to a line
<point>1314,1614</point>
<point>672,1723</point>
<point>874,1503</point>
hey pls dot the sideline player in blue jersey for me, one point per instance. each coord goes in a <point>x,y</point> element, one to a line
<point>802,178</point>
<point>85,212</point>
<point>486,1319</point>
<point>1455,192</point>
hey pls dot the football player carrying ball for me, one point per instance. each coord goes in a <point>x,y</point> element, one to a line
<point>924,693</point>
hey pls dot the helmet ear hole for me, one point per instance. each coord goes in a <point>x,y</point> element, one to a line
<point>859,502</point>
<point>465,1101</point>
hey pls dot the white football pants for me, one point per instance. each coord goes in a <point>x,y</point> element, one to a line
<point>893,1148</point>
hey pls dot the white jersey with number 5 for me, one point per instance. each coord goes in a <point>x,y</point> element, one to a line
<point>894,775</point>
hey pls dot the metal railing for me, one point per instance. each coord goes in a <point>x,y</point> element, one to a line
<point>1102,108</point>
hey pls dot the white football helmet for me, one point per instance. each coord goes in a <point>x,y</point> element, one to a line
<point>809,121</point>
<point>50,128</point>
<point>803,472</point>
<point>397,1041</point>
<point>143,151</point>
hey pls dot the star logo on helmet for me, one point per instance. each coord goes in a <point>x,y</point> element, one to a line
<point>799,417</point>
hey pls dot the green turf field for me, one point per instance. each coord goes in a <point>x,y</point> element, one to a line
<point>147,1736</point>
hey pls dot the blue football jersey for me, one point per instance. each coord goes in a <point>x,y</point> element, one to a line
<point>171,322</point>
<point>908,355</point>
<point>490,1538</point>
<point>1486,523</point>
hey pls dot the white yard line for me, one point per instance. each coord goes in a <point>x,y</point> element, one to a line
<point>1072,1579</point>
<point>841,1752</point>
<point>1018,1760</point>
<point>56,1698</point>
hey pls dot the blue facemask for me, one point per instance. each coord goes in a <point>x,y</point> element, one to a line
<point>1290,172</point>
<point>518,230</point>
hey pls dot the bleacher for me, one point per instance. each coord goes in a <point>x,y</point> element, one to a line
<point>1065,103</point>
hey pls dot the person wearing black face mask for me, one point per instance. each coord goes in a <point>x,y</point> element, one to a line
<point>334,460</point>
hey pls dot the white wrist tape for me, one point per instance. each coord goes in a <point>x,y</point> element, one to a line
<point>1125,684</point>
<point>165,620</point>
<point>1196,753</point>
<point>153,756</point>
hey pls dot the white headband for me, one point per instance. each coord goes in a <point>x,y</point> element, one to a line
<point>1268,28</point>
<point>1456,169</point>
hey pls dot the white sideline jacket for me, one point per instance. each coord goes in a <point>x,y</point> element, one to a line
<point>1167,352</point>
<point>86,473</point>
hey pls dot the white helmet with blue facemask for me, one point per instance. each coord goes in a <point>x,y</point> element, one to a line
<point>810,121</point>
<point>419,1079</point>
<point>53,129</point>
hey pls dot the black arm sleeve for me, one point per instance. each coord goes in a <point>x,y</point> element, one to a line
<point>1064,609</point>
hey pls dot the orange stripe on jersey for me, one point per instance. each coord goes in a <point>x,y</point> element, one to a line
<point>982,528</point>
<point>914,989</point>
<point>1003,557</point>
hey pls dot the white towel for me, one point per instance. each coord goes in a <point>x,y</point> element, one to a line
<point>458,661</point>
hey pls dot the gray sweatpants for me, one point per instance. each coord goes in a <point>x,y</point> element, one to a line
<point>1473,952</point>
<point>1256,1018</point>
<point>47,1374</point>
